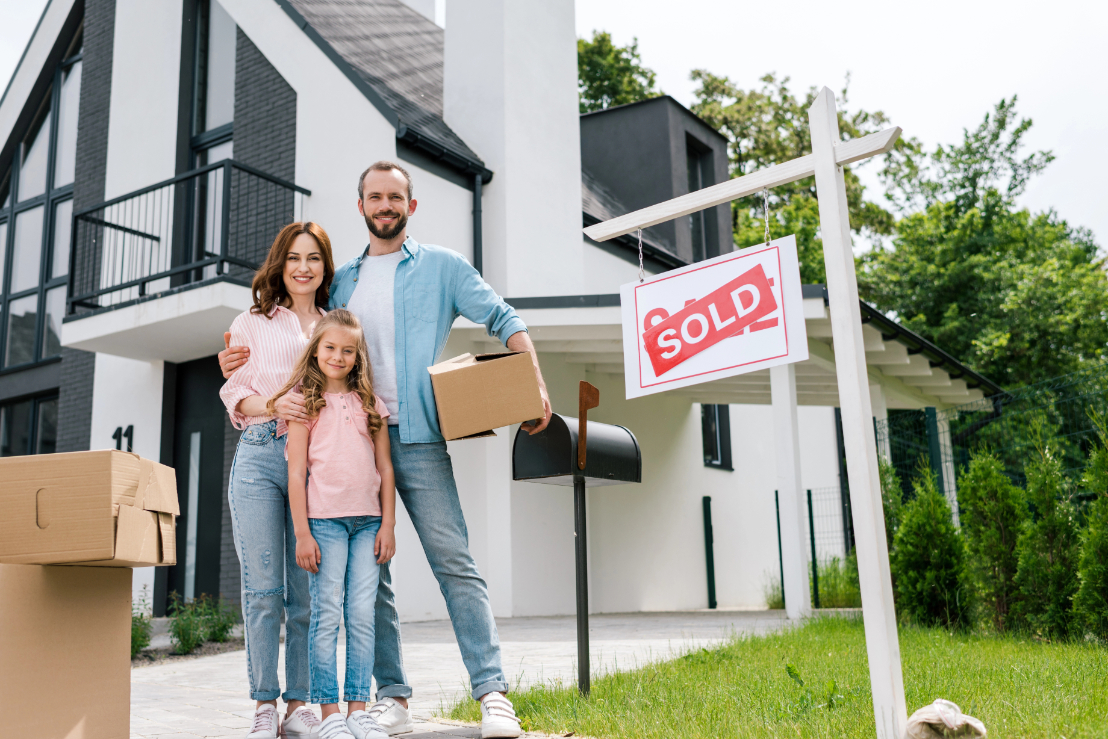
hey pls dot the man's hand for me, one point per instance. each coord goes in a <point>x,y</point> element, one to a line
<point>521,342</point>
<point>307,553</point>
<point>534,427</point>
<point>232,357</point>
<point>291,408</point>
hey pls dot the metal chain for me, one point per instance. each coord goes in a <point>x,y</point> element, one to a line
<point>642,274</point>
<point>765,201</point>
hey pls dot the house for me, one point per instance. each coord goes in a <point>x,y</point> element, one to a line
<point>151,151</point>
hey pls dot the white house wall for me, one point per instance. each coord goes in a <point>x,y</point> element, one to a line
<point>603,272</point>
<point>444,212</point>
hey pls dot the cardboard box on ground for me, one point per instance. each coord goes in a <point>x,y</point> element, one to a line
<point>476,394</point>
<point>101,508</point>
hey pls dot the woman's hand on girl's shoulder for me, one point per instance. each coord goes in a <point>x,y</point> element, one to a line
<point>385,545</point>
<point>307,553</point>
<point>291,407</point>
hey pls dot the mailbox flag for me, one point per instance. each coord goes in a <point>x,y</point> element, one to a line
<point>736,313</point>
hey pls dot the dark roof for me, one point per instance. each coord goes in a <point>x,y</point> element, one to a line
<point>599,204</point>
<point>394,56</point>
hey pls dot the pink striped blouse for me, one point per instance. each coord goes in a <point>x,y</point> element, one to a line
<point>275,345</point>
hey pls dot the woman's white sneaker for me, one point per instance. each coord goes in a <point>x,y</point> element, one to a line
<point>392,717</point>
<point>362,726</point>
<point>265,723</point>
<point>334,727</point>
<point>301,724</point>
<point>498,717</point>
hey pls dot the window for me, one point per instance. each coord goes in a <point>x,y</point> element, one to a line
<point>696,220</point>
<point>29,427</point>
<point>716,428</point>
<point>35,222</point>
<point>703,230</point>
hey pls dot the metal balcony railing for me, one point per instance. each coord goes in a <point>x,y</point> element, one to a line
<point>215,221</point>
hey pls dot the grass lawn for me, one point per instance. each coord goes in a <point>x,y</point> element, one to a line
<point>1018,687</point>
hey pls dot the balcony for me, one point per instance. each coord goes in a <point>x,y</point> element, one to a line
<point>160,273</point>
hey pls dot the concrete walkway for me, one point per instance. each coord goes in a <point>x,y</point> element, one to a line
<point>207,697</point>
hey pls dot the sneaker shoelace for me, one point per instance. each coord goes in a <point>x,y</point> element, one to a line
<point>305,714</point>
<point>263,720</point>
<point>498,706</point>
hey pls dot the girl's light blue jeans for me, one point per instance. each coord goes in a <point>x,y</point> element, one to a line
<point>272,583</point>
<point>346,585</point>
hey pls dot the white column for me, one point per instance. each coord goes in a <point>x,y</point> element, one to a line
<point>790,494</point>
<point>878,610</point>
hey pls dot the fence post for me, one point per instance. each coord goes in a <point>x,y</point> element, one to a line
<point>780,557</point>
<point>844,486</point>
<point>225,213</point>
<point>709,554</point>
<point>934,446</point>
<point>815,561</point>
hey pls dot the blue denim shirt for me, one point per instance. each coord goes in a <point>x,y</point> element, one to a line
<point>433,286</point>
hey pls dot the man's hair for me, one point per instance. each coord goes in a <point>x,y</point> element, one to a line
<point>384,166</point>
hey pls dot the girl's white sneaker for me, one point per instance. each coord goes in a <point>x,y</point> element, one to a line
<point>301,724</point>
<point>334,727</point>
<point>392,717</point>
<point>498,717</point>
<point>362,726</point>
<point>265,723</point>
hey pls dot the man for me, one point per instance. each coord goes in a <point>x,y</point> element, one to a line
<point>423,288</point>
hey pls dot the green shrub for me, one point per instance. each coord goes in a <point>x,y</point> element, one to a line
<point>993,514</point>
<point>1091,601</point>
<point>1046,574</point>
<point>141,624</point>
<point>932,586</point>
<point>218,618</point>
<point>892,499</point>
<point>186,624</point>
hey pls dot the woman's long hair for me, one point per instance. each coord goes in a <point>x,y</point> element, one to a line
<point>269,281</point>
<point>310,378</point>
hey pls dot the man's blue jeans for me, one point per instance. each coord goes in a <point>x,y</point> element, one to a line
<point>258,495</point>
<point>425,482</point>
<point>346,585</point>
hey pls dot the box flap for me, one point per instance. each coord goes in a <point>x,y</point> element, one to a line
<point>136,535</point>
<point>167,540</point>
<point>495,355</point>
<point>447,365</point>
<point>157,488</point>
<point>125,471</point>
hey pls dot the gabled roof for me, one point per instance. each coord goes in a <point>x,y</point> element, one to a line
<point>394,56</point>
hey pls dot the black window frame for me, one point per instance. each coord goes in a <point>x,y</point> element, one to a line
<point>715,428</point>
<point>36,401</point>
<point>50,200</point>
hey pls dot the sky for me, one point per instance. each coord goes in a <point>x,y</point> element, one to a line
<point>934,68</point>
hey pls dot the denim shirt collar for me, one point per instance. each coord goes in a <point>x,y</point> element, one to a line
<point>409,247</point>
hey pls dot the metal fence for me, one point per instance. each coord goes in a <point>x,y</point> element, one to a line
<point>213,221</point>
<point>1009,424</point>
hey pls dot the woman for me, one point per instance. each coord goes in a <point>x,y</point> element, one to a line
<point>290,296</point>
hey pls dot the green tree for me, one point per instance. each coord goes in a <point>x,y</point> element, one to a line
<point>928,560</point>
<point>610,75</point>
<point>1091,601</point>
<point>768,126</point>
<point>1020,297</point>
<point>1048,552</point>
<point>992,512</point>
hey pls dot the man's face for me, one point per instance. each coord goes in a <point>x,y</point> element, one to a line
<point>385,203</point>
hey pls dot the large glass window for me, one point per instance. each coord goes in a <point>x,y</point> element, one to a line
<point>29,427</point>
<point>35,229</point>
<point>716,431</point>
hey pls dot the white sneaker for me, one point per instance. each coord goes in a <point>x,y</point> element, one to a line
<point>392,717</point>
<point>498,717</point>
<point>265,723</point>
<point>362,726</point>
<point>301,724</point>
<point>334,727</point>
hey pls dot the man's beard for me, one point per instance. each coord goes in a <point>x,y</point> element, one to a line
<point>390,231</point>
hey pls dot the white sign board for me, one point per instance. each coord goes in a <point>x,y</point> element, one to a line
<point>736,313</point>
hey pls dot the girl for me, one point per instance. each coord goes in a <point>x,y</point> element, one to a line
<point>290,295</point>
<point>344,513</point>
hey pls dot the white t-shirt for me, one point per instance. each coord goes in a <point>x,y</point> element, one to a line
<point>372,303</point>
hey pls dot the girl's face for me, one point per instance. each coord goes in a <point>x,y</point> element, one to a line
<point>337,353</point>
<point>303,266</point>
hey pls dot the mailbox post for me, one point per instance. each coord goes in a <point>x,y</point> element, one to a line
<point>576,451</point>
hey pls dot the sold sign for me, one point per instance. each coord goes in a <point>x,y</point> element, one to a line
<point>736,313</point>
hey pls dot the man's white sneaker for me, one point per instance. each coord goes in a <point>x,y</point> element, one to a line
<point>362,726</point>
<point>301,724</point>
<point>334,727</point>
<point>392,717</point>
<point>498,717</point>
<point>265,723</point>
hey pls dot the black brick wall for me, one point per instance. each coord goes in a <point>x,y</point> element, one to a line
<point>75,395</point>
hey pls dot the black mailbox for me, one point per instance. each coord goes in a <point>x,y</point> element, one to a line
<point>576,451</point>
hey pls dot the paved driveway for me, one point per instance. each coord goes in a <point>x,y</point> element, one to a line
<point>207,697</point>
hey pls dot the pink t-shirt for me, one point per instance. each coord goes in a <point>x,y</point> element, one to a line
<point>343,478</point>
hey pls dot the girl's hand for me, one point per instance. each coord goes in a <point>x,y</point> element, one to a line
<point>385,545</point>
<point>307,553</point>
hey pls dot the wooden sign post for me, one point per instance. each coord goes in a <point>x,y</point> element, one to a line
<point>829,155</point>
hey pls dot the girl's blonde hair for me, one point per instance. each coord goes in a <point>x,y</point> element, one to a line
<point>311,380</point>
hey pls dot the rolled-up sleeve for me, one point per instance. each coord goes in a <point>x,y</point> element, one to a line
<point>476,300</point>
<point>239,385</point>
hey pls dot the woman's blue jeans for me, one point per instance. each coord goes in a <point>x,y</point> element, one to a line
<point>272,582</point>
<point>346,585</point>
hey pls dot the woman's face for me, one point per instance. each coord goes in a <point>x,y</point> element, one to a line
<point>303,266</point>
